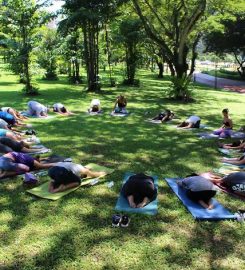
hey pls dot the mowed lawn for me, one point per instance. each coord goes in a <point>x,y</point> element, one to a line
<point>75,232</point>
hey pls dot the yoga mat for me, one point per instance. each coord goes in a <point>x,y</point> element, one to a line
<point>95,113</point>
<point>230,152</point>
<point>225,170</point>
<point>33,116</point>
<point>123,205</point>
<point>234,135</point>
<point>202,126</point>
<point>219,212</point>
<point>233,165</point>
<point>119,114</point>
<point>42,190</point>
<point>154,121</point>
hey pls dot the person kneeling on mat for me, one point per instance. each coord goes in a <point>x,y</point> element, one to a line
<point>37,109</point>
<point>95,106</point>
<point>67,175</point>
<point>139,190</point>
<point>15,163</point>
<point>199,190</point>
<point>61,109</point>
<point>120,105</point>
<point>164,116</point>
<point>9,145</point>
<point>192,122</point>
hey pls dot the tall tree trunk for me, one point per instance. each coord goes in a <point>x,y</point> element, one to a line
<point>161,70</point>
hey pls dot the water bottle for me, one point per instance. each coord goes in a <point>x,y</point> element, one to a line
<point>110,184</point>
<point>94,181</point>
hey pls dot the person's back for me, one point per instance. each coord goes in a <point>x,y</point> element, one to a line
<point>36,108</point>
<point>3,124</point>
<point>73,167</point>
<point>7,117</point>
<point>235,182</point>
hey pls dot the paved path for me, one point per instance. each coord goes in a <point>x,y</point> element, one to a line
<point>232,85</point>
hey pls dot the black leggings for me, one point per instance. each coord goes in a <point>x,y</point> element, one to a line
<point>204,195</point>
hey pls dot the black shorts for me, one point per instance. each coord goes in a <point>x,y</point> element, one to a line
<point>204,195</point>
<point>62,176</point>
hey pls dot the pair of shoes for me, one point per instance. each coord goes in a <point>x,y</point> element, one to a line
<point>31,132</point>
<point>120,220</point>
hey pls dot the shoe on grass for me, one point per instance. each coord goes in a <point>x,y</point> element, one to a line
<point>116,220</point>
<point>125,221</point>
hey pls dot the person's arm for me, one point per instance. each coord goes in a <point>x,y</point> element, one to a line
<point>131,201</point>
<point>115,105</point>
<point>189,126</point>
<point>22,168</point>
<point>63,187</point>
<point>165,118</point>
<point>143,203</point>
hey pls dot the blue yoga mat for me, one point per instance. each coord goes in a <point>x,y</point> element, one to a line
<point>123,205</point>
<point>219,212</point>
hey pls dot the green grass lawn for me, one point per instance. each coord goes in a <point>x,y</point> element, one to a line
<point>75,232</point>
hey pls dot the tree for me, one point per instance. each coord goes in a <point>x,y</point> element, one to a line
<point>47,52</point>
<point>171,25</point>
<point>131,35</point>
<point>21,19</point>
<point>90,16</point>
<point>230,39</point>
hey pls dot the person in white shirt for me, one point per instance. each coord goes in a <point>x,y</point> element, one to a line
<point>37,109</point>
<point>61,109</point>
<point>192,122</point>
<point>95,106</point>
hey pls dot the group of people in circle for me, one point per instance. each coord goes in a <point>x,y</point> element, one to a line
<point>139,190</point>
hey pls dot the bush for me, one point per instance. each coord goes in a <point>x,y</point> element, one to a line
<point>32,90</point>
<point>180,89</point>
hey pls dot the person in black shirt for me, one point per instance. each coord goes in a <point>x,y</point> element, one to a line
<point>139,190</point>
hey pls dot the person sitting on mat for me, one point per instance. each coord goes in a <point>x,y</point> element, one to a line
<point>199,190</point>
<point>15,163</point>
<point>120,105</point>
<point>67,175</point>
<point>238,145</point>
<point>8,145</point>
<point>95,106</point>
<point>139,190</point>
<point>234,161</point>
<point>226,129</point>
<point>192,122</point>
<point>164,116</point>
<point>17,115</point>
<point>37,109</point>
<point>61,109</point>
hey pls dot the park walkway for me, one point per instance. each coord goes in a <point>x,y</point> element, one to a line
<point>231,85</point>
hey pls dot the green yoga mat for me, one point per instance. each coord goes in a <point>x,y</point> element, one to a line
<point>42,190</point>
